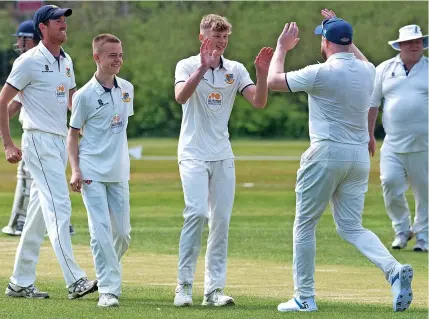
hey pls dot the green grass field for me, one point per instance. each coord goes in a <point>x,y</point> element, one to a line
<point>260,248</point>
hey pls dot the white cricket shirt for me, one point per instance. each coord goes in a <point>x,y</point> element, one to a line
<point>43,83</point>
<point>103,117</point>
<point>405,107</point>
<point>204,131</point>
<point>339,91</point>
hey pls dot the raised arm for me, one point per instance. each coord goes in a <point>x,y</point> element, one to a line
<point>184,90</point>
<point>258,95</point>
<point>287,40</point>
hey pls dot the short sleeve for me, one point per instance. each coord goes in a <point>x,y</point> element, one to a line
<point>131,103</point>
<point>182,72</point>
<point>377,93</point>
<point>244,80</point>
<point>79,110</point>
<point>20,76</point>
<point>72,76</point>
<point>303,79</point>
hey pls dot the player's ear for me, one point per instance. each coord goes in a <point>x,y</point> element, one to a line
<point>201,37</point>
<point>96,57</point>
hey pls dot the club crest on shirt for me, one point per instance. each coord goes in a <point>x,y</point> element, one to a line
<point>116,124</point>
<point>126,97</point>
<point>229,78</point>
<point>68,73</point>
<point>214,101</point>
<point>60,94</point>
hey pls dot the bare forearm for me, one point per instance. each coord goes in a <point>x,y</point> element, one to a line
<point>4,126</point>
<point>358,54</point>
<point>276,73</point>
<point>372,118</point>
<point>13,108</point>
<point>261,92</point>
<point>73,151</point>
<point>188,88</point>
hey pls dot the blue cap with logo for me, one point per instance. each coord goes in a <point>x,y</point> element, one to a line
<point>26,29</point>
<point>336,30</point>
<point>49,12</point>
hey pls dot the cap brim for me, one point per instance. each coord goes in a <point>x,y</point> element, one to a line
<point>318,30</point>
<point>66,12</point>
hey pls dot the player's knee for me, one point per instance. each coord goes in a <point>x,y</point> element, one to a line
<point>195,212</point>
<point>390,180</point>
<point>346,228</point>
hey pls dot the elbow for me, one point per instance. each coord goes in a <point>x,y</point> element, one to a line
<point>259,105</point>
<point>180,99</point>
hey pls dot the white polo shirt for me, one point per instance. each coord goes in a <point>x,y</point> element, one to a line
<point>339,91</point>
<point>204,131</point>
<point>43,83</point>
<point>405,107</point>
<point>103,117</point>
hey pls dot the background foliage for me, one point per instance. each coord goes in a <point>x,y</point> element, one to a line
<point>156,35</point>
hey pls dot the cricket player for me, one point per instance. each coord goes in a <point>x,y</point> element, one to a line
<point>100,162</point>
<point>44,79</point>
<point>403,84</point>
<point>206,86</point>
<point>336,167</point>
<point>27,38</point>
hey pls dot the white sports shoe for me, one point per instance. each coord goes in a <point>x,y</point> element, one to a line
<point>217,299</point>
<point>401,287</point>
<point>108,300</point>
<point>401,240</point>
<point>183,295</point>
<point>421,246</point>
<point>298,304</point>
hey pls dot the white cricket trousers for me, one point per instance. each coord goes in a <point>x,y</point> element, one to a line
<point>49,208</point>
<point>108,207</point>
<point>208,189</point>
<point>397,172</point>
<point>335,173</point>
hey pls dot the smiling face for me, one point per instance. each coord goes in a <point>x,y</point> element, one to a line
<point>411,50</point>
<point>218,40</point>
<point>55,31</point>
<point>217,29</point>
<point>109,58</point>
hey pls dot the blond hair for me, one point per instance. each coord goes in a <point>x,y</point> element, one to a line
<point>216,23</point>
<point>102,39</point>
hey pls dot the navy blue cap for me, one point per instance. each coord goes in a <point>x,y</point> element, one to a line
<point>49,12</point>
<point>336,30</point>
<point>26,29</point>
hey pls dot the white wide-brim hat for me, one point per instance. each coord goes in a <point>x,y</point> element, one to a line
<point>409,32</point>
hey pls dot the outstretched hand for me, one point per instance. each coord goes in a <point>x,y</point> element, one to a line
<point>328,14</point>
<point>208,58</point>
<point>288,39</point>
<point>263,60</point>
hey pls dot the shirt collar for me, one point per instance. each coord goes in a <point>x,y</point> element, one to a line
<point>341,55</point>
<point>399,60</point>
<point>99,88</point>
<point>48,55</point>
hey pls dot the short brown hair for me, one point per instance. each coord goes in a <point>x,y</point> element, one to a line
<point>102,39</point>
<point>216,23</point>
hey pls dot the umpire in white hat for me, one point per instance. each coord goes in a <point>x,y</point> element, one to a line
<point>403,84</point>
